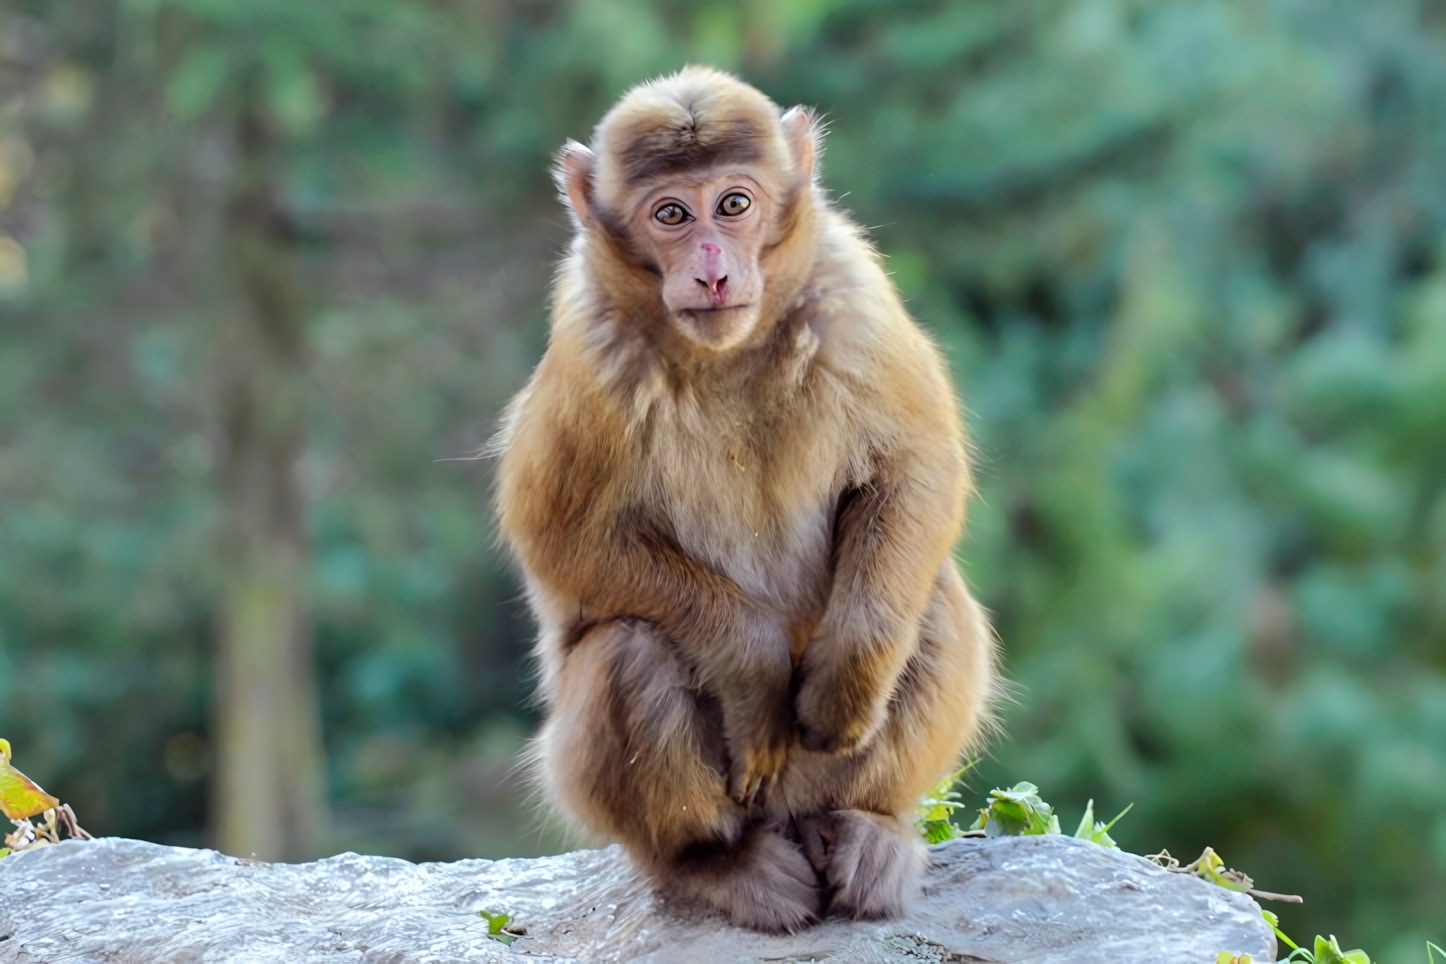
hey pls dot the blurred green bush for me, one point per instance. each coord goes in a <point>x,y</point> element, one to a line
<point>1185,256</point>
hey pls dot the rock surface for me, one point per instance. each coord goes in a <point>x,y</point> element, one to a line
<point>1043,900</point>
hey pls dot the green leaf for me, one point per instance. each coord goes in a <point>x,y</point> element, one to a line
<point>4,851</point>
<point>1430,957</point>
<point>1099,831</point>
<point>940,831</point>
<point>20,797</point>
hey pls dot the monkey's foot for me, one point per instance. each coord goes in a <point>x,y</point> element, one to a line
<point>872,862</point>
<point>765,882</point>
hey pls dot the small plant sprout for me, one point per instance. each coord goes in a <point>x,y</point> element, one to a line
<point>1328,951</point>
<point>1016,812</point>
<point>1274,923</point>
<point>1019,811</point>
<point>1209,866</point>
<point>1095,832</point>
<point>495,925</point>
<point>934,814</point>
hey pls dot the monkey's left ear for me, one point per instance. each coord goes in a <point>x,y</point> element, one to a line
<point>573,173</point>
<point>801,130</point>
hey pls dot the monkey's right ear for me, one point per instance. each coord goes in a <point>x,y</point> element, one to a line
<point>574,173</point>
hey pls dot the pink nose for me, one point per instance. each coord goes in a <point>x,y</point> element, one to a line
<point>716,281</point>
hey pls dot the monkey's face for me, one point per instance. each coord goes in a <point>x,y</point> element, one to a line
<point>705,232</point>
<point>695,188</point>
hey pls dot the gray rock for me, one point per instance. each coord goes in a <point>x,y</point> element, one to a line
<point>1044,900</point>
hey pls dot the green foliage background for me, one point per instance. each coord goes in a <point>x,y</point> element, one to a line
<point>1185,257</point>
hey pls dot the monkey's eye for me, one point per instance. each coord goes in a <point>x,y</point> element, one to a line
<point>671,214</point>
<point>734,205</point>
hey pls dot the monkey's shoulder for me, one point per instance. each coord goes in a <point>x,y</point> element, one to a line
<point>854,309</point>
<point>873,360</point>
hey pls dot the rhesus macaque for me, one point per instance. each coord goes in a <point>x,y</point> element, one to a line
<point>733,484</point>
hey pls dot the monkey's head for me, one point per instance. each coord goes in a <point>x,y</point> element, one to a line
<point>696,184</point>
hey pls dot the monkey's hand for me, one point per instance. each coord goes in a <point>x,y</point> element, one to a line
<point>840,703</point>
<point>757,738</point>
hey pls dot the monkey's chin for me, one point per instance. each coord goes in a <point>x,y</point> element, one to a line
<point>717,328</point>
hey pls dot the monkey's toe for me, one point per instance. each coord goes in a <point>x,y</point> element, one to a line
<point>871,862</point>
<point>817,836</point>
<point>754,770</point>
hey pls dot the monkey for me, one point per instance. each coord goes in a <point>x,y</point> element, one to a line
<point>733,484</point>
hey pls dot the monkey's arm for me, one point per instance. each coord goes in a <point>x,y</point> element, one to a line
<point>559,505</point>
<point>893,532</point>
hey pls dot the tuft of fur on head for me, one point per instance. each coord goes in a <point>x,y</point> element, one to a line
<point>695,118</point>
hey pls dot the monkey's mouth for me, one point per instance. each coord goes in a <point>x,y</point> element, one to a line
<point>715,327</point>
<point>710,313</point>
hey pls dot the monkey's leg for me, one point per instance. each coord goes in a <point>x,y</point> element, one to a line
<point>633,752</point>
<point>855,811</point>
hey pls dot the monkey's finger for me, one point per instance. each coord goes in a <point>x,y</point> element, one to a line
<point>762,778</point>
<point>764,786</point>
<point>755,784</point>
<point>739,778</point>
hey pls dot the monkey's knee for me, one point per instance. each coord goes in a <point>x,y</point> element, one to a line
<point>871,862</point>
<point>630,749</point>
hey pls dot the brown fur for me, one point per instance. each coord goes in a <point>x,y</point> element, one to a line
<point>756,651</point>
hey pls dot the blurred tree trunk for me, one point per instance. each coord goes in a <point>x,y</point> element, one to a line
<point>269,796</point>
